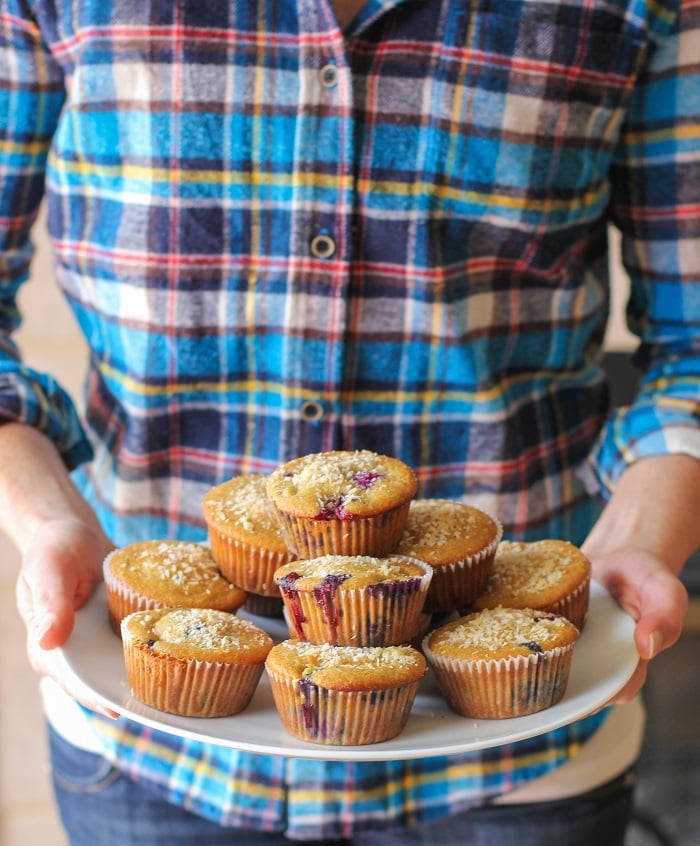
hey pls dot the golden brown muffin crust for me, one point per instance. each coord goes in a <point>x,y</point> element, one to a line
<point>534,574</point>
<point>351,571</point>
<point>501,633</point>
<point>341,484</point>
<point>440,531</point>
<point>241,507</point>
<point>174,573</point>
<point>347,667</point>
<point>197,634</point>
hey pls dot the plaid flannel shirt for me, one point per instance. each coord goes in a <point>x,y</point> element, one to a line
<point>279,238</point>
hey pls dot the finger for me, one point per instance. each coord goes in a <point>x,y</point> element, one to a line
<point>49,618</point>
<point>44,659</point>
<point>662,606</point>
<point>51,594</point>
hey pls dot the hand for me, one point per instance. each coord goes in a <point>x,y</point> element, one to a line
<point>62,566</point>
<point>657,600</point>
<point>642,539</point>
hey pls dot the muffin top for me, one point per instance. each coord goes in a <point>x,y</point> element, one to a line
<point>347,667</point>
<point>341,485</point>
<point>501,633</point>
<point>534,575</point>
<point>173,573</point>
<point>201,634</point>
<point>350,572</point>
<point>241,506</point>
<point>441,531</point>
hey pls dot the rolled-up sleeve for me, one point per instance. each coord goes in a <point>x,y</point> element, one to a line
<point>656,205</point>
<point>31,97</point>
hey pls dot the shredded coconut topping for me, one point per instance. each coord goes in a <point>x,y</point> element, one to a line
<point>432,523</point>
<point>335,473</point>
<point>244,502</point>
<point>500,628</point>
<point>532,567</point>
<point>204,629</point>
<point>187,565</point>
<point>324,656</point>
<point>380,569</point>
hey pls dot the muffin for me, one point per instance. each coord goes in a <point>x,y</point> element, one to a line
<point>459,542</point>
<point>195,662</point>
<point>264,606</point>
<point>165,574</point>
<point>343,695</point>
<point>342,502</point>
<point>246,541</point>
<point>502,662</point>
<point>549,575</point>
<point>354,600</point>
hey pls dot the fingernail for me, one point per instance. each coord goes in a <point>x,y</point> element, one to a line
<point>41,624</point>
<point>653,643</point>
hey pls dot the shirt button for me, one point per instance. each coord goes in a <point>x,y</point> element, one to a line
<point>312,411</point>
<point>329,76</point>
<point>322,246</point>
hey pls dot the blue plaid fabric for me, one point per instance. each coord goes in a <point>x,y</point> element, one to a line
<point>405,223</point>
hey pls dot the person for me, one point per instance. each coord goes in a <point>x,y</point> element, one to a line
<point>288,227</point>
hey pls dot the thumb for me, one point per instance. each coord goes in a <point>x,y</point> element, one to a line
<point>60,570</point>
<point>45,605</point>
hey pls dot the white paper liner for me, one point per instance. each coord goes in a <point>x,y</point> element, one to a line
<point>341,717</point>
<point>377,535</point>
<point>359,617</point>
<point>249,567</point>
<point>574,606</point>
<point>504,687</point>
<point>189,688</point>
<point>457,584</point>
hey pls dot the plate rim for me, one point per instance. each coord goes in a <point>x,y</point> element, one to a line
<point>92,626</point>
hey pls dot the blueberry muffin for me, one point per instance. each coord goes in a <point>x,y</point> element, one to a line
<point>343,695</point>
<point>342,502</point>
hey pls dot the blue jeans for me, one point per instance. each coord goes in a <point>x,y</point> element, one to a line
<point>100,806</point>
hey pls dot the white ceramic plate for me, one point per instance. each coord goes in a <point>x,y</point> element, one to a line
<point>604,659</point>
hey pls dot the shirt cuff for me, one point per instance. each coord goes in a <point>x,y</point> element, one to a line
<point>36,399</point>
<point>641,431</point>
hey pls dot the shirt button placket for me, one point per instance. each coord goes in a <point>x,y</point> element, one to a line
<point>322,246</point>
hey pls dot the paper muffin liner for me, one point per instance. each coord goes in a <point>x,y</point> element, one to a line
<point>249,567</point>
<point>377,535</point>
<point>457,584</point>
<point>189,688</point>
<point>265,606</point>
<point>121,599</point>
<point>573,606</point>
<point>341,717</point>
<point>386,614</point>
<point>493,689</point>
<point>425,626</point>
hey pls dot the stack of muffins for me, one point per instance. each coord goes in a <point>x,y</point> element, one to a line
<point>370,581</point>
<point>186,652</point>
<point>347,676</point>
